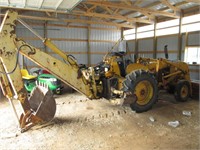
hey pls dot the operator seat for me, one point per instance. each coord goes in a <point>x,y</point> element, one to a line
<point>26,75</point>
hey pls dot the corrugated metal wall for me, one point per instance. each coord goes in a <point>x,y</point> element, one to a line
<point>31,39</point>
<point>60,37</point>
<point>73,40</point>
<point>194,72</point>
<point>131,45</point>
<point>145,48</point>
<point>109,36</point>
<point>61,32</point>
<point>101,40</point>
<point>172,44</point>
<point>193,39</point>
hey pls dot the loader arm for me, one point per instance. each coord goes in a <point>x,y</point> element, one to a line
<point>81,79</point>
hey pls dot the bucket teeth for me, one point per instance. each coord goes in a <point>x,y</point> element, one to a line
<point>43,87</point>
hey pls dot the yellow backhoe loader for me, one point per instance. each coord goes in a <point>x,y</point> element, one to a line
<point>114,77</point>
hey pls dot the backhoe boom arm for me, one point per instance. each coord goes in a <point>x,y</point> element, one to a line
<point>81,79</point>
<point>69,72</point>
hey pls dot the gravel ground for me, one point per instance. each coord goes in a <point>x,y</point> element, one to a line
<point>83,124</point>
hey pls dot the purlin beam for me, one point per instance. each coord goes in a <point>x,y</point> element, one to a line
<point>193,1</point>
<point>137,2</point>
<point>40,4</point>
<point>165,2</point>
<point>74,21</point>
<point>91,8</point>
<point>126,2</point>
<point>58,4</point>
<point>108,10</point>
<point>118,17</point>
<point>24,3</point>
<point>149,6</point>
<point>112,15</point>
<point>66,20</point>
<point>164,9</point>
<point>134,8</point>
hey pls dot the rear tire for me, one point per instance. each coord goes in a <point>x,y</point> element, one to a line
<point>182,91</point>
<point>143,85</point>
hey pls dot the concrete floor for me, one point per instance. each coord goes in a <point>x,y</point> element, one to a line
<point>82,124</point>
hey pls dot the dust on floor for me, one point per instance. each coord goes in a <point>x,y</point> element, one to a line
<point>83,124</point>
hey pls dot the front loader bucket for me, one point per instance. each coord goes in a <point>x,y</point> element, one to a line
<point>43,103</point>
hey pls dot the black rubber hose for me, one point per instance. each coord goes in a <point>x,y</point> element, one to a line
<point>16,60</point>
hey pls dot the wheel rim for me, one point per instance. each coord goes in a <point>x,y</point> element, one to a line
<point>184,91</point>
<point>143,92</point>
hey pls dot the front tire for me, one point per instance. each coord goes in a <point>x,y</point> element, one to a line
<point>182,91</point>
<point>143,86</point>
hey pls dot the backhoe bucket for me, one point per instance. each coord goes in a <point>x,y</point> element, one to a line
<point>43,103</point>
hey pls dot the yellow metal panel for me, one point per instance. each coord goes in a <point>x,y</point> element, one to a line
<point>8,53</point>
<point>133,67</point>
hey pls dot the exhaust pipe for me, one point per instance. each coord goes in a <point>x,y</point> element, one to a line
<point>166,52</point>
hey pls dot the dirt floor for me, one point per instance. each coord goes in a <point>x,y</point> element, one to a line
<point>82,124</point>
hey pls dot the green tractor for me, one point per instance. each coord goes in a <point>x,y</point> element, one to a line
<point>30,81</point>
